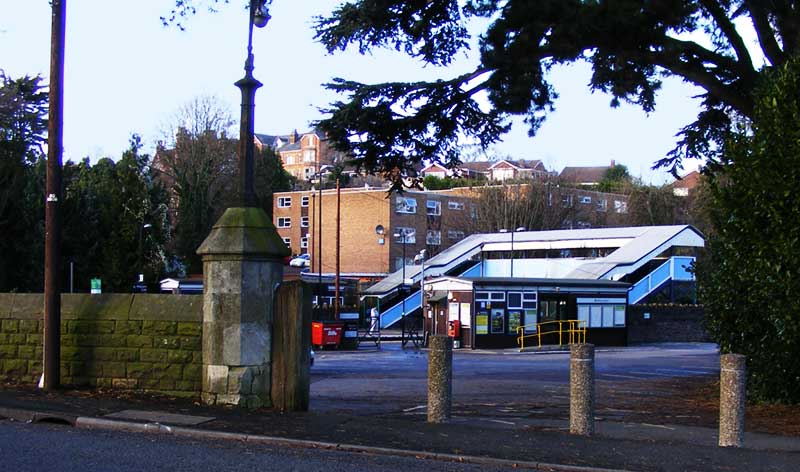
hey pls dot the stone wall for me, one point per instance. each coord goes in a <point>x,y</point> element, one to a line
<point>142,341</point>
<point>666,323</point>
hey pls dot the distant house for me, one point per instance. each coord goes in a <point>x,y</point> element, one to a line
<point>466,170</point>
<point>686,184</point>
<point>584,176</point>
<point>502,170</point>
<point>507,169</point>
<point>301,154</point>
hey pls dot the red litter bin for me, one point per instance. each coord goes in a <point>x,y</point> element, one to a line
<point>326,334</point>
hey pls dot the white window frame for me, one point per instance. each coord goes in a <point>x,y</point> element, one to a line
<point>284,222</point>
<point>287,242</point>
<point>514,307</point>
<point>433,237</point>
<point>284,202</point>
<point>454,205</point>
<point>304,222</point>
<point>406,205</point>
<point>585,200</point>
<point>602,204</point>
<point>304,242</point>
<point>304,200</point>
<point>434,205</point>
<point>620,206</point>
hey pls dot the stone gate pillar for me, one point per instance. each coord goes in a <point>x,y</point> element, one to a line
<point>242,265</point>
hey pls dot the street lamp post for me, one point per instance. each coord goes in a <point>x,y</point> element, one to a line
<point>401,234</point>
<point>259,16</point>
<point>141,252</point>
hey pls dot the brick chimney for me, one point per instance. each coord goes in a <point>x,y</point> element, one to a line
<point>613,163</point>
<point>293,137</point>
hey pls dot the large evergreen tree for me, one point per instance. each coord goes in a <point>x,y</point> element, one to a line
<point>631,45</point>
<point>23,126</point>
<point>750,283</point>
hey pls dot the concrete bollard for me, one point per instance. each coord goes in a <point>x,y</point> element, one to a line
<point>440,379</point>
<point>581,389</point>
<point>731,399</point>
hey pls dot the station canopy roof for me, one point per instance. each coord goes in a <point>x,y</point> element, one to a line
<point>631,248</point>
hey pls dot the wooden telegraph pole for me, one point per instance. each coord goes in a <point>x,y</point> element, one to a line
<point>52,245</point>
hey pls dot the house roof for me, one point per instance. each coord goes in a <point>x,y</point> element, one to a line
<point>688,181</point>
<point>584,174</point>
<point>533,164</point>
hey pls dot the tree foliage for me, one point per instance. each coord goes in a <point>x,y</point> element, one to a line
<point>23,126</point>
<point>630,45</point>
<point>616,179</point>
<point>750,284</point>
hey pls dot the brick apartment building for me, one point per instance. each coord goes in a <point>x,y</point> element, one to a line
<point>432,220</point>
<point>423,217</point>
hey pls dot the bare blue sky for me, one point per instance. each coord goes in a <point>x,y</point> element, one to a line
<point>127,73</point>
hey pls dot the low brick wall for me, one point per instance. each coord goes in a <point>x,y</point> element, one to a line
<point>142,341</point>
<point>666,323</point>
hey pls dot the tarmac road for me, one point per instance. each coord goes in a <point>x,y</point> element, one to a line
<point>392,381</point>
<point>43,447</point>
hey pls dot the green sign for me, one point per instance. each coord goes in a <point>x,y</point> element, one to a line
<point>96,286</point>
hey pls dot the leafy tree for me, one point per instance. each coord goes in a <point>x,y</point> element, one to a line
<point>270,177</point>
<point>200,172</point>
<point>631,46</point>
<point>431,182</point>
<point>106,208</point>
<point>23,125</point>
<point>749,283</point>
<point>615,179</point>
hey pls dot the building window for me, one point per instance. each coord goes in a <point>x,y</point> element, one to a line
<point>473,212</point>
<point>405,205</point>
<point>620,206</point>
<point>433,238</point>
<point>453,205</point>
<point>309,155</point>
<point>514,300</point>
<point>405,235</point>
<point>602,204</point>
<point>304,201</point>
<point>284,202</point>
<point>308,173</point>
<point>304,222</point>
<point>434,207</point>
<point>287,242</point>
<point>284,222</point>
<point>304,242</point>
<point>582,224</point>
<point>566,201</point>
<point>585,200</point>
<point>455,235</point>
<point>601,316</point>
<point>289,160</point>
<point>398,262</point>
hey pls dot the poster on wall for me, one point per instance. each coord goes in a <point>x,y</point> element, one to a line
<point>498,321</point>
<point>530,321</point>
<point>514,321</point>
<point>481,323</point>
<point>466,314</point>
<point>452,311</point>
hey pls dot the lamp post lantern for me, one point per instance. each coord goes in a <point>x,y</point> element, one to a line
<point>259,16</point>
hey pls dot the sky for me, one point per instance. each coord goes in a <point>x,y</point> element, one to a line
<point>126,73</point>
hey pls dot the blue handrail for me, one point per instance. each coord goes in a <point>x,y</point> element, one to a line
<point>393,314</point>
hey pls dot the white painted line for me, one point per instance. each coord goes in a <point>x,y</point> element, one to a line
<point>620,376</point>
<point>686,371</point>
<point>406,410</point>
<point>652,373</point>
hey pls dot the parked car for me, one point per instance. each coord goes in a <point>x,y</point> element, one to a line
<point>303,260</point>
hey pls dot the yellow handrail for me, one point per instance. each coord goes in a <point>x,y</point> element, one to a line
<point>576,329</point>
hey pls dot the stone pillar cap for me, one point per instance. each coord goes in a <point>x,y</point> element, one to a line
<point>244,231</point>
